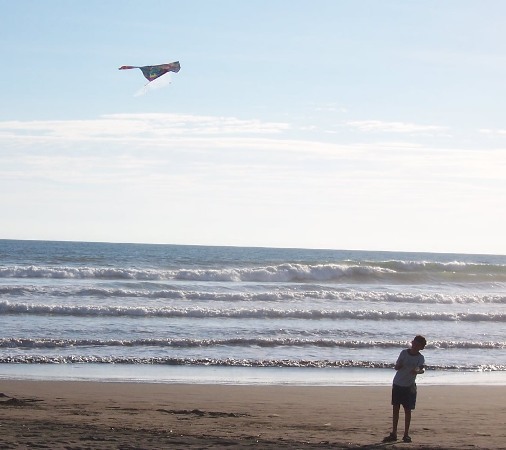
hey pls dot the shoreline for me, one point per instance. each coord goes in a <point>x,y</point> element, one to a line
<point>112,415</point>
<point>239,375</point>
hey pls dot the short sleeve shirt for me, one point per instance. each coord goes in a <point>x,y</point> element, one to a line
<point>404,376</point>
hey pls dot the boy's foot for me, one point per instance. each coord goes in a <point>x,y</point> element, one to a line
<point>390,438</point>
<point>406,438</point>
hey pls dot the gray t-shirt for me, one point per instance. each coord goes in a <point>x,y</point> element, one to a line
<point>404,377</point>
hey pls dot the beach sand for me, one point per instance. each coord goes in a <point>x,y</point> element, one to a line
<point>93,415</point>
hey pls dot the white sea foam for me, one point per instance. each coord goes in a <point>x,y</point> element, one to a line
<point>389,271</point>
<point>236,342</point>
<point>233,362</point>
<point>7,307</point>
<point>278,295</point>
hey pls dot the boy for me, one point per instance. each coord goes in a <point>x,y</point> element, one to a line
<point>410,363</point>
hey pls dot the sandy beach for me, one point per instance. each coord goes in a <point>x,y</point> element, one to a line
<point>94,415</point>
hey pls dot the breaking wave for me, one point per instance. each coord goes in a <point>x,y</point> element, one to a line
<point>269,296</point>
<point>387,271</point>
<point>234,342</point>
<point>232,362</point>
<point>245,313</point>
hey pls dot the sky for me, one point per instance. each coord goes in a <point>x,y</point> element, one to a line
<point>340,124</point>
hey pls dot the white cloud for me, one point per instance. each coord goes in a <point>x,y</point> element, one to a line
<point>378,126</point>
<point>127,126</point>
<point>492,132</point>
<point>148,141</point>
<point>246,175</point>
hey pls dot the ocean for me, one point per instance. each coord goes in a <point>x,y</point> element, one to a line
<point>203,314</point>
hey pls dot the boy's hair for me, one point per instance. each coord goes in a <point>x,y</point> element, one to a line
<point>421,340</point>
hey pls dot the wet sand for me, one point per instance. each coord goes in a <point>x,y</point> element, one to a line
<point>94,415</point>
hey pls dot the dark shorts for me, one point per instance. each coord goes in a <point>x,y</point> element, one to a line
<point>404,395</point>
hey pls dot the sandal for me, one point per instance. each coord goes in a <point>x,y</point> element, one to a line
<point>406,438</point>
<point>390,438</point>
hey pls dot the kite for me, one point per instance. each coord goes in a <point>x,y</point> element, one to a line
<point>153,72</point>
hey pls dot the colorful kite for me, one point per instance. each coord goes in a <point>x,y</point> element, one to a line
<point>153,72</point>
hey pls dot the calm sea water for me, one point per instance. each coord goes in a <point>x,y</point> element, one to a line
<point>189,313</point>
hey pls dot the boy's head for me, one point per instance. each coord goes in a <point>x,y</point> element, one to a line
<point>421,341</point>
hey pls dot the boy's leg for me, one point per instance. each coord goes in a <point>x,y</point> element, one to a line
<point>395,418</point>
<point>407,420</point>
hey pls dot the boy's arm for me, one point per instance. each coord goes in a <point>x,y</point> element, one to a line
<point>398,363</point>
<point>421,368</point>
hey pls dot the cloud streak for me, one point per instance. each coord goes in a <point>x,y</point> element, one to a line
<point>138,125</point>
<point>144,143</point>
<point>378,126</point>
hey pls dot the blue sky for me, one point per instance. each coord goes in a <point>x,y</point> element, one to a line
<point>339,124</point>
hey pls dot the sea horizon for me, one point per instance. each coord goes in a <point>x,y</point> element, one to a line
<point>358,250</point>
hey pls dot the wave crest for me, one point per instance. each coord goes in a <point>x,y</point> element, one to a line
<point>235,342</point>
<point>387,271</point>
<point>245,313</point>
<point>231,362</point>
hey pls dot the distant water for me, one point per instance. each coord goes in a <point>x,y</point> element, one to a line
<point>155,311</point>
